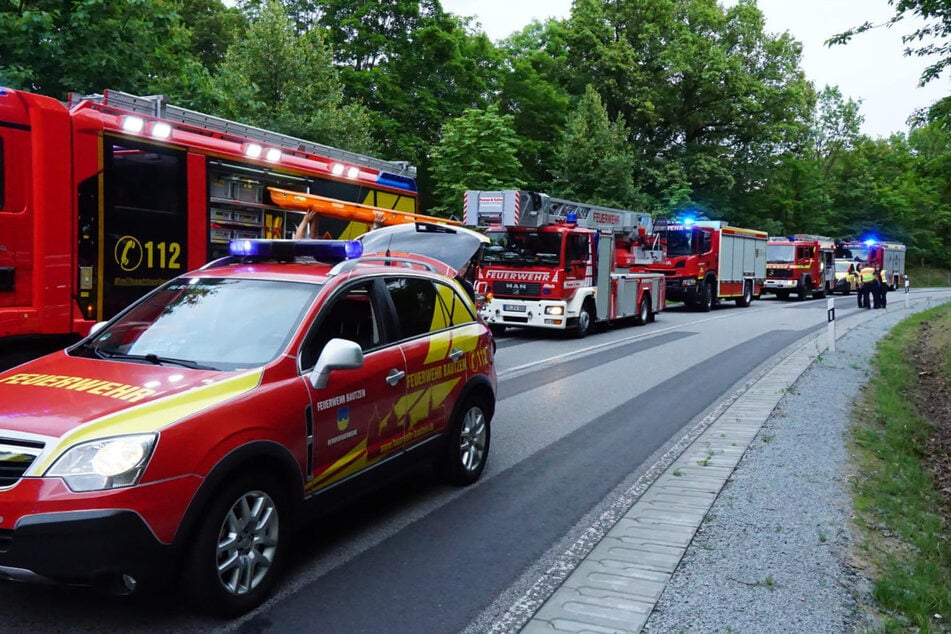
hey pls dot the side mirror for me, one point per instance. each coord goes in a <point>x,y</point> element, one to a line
<point>338,354</point>
<point>96,327</point>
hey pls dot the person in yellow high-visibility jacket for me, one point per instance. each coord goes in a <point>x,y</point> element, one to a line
<point>867,280</point>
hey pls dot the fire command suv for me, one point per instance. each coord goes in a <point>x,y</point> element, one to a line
<point>708,261</point>
<point>563,265</point>
<point>802,264</point>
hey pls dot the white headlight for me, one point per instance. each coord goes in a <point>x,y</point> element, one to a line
<point>109,463</point>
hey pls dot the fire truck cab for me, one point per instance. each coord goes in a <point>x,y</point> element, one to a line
<point>562,265</point>
<point>801,264</point>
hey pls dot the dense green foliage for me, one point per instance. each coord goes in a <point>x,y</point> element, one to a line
<point>657,105</point>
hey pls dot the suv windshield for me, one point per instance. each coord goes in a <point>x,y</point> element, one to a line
<point>522,248</point>
<point>212,323</point>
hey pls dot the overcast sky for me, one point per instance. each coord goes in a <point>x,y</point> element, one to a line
<point>871,68</point>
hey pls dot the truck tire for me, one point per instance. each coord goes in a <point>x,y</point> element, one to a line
<point>705,305</point>
<point>747,298</point>
<point>802,289</point>
<point>644,313</point>
<point>585,320</point>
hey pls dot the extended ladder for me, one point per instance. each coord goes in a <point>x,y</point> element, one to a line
<point>298,201</point>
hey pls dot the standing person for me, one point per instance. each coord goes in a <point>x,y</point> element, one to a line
<point>866,279</point>
<point>877,287</point>
<point>882,288</point>
<point>907,283</point>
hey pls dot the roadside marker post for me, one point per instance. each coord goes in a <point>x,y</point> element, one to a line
<point>830,317</point>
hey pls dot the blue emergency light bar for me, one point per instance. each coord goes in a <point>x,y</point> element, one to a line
<point>323,250</point>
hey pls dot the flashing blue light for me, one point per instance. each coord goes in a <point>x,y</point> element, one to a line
<point>571,218</point>
<point>870,241</point>
<point>689,220</point>
<point>323,250</point>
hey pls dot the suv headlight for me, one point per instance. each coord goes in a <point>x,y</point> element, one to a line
<point>109,463</point>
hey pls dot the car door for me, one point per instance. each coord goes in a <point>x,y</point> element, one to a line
<point>437,332</point>
<point>355,403</point>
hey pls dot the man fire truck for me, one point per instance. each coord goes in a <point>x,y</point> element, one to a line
<point>106,197</point>
<point>890,256</point>
<point>708,261</point>
<point>801,263</point>
<point>562,265</point>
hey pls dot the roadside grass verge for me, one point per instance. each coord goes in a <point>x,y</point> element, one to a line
<point>900,515</point>
<point>928,276</point>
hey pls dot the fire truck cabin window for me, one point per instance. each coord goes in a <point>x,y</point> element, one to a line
<point>577,248</point>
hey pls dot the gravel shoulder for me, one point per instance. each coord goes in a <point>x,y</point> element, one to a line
<point>773,554</point>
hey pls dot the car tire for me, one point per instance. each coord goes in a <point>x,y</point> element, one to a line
<point>238,548</point>
<point>467,447</point>
<point>747,298</point>
<point>584,322</point>
<point>705,305</point>
<point>644,313</point>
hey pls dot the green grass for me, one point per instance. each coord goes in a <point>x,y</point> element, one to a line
<point>898,508</point>
<point>926,276</point>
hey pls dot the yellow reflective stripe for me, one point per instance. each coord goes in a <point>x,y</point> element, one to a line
<point>465,338</point>
<point>353,461</point>
<point>152,416</point>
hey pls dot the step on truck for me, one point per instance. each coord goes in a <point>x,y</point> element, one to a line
<point>563,265</point>
<point>802,264</point>
<point>709,261</point>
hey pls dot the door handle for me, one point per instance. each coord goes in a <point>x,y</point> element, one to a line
<point>456,354</point>
<point>395,376</point>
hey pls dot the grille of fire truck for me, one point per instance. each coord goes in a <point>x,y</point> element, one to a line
<point>16,456</point>
<point>517,289</point>
<point>779,273</point>
<point>156,106</point>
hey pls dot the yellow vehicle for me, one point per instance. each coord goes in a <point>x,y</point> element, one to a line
<point>846,279</point>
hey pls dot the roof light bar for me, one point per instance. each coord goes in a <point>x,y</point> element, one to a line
<point>161,130</point>
<point>253,150</point>
<point>323,250</point>
<point>133,124</point>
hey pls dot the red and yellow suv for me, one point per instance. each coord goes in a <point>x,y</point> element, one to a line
<point>185,438</point>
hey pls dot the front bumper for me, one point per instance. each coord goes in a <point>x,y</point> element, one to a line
<point>779,285</point>
<point>683,290</point>
<point>527,313</point>
<point>111,550</point>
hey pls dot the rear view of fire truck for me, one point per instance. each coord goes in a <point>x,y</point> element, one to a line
<point>709,261</point>
<point>890,256</point>
<point>563,265</point>
<point>801,264</point>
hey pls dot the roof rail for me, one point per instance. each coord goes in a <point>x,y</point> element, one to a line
<point>157,106</point>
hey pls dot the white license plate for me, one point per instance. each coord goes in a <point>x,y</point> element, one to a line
<point>513,308</point>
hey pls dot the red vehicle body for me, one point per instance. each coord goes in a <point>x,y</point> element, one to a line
<point>249,391</point>
<point>801,264</point>
<point>709,261</point>
<point>105,199</point>
<point>562,265</point>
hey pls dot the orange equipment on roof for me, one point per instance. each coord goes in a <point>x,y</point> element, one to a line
<point>298,201</point>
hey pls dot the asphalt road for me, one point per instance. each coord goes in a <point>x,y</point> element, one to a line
<point>576,419</point>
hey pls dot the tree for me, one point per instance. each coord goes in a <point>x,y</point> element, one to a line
<point>933,39</point>
<point>593,162</point>
<point>476,150</point>
<point>55,47</point>
<point>279,80</point>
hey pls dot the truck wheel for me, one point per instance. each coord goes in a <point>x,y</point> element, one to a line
<point>802,290</point>
<point>585,319</point>
<point>238,549</point>
<point>643,311</point>
<point>706,297</point>
<point>468,447</point>
<point>747,297</point>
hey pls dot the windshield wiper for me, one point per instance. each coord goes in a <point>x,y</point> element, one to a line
<point>153,359</point>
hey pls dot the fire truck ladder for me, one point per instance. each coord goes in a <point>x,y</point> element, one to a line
<point>157,106</point>
<point>297,201</point>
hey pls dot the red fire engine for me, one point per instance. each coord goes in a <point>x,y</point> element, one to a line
<point>708,261</point>
<point>110,195</point>
<point>559,264</point>
<point>890,256</point>
<point>801,263</point>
